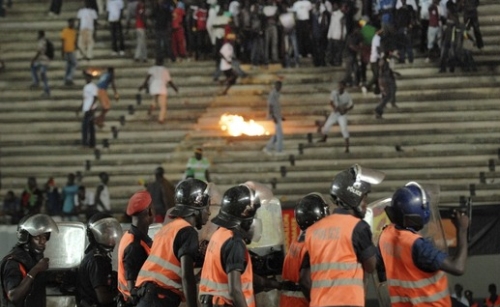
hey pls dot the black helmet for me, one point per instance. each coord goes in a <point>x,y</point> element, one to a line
<point>310,209</point>
<point>239,204</point>
<point>191,196</point>
<point>349,187</point>
<point>104,230</point>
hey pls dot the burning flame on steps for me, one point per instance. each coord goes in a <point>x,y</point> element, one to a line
<point>235,125</point>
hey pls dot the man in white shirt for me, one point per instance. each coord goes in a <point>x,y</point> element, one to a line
<point>458,295</point>
<point>336,36</point>
<point>270,32</point>
<point>341,103</point>
<point>115,8</point>
<point>88,108</point>
<point>374,57</point>
<point>157,79</point>
<point>302,9</point>
<point>87,17</point>
<point>226,62</point>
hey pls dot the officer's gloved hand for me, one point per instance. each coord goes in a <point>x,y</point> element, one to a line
<point>134,298</point>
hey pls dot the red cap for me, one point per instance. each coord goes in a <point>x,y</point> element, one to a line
<point>138,202</point>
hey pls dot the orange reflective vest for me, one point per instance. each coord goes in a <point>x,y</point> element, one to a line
<point>336,274</point>
<point>127,239</point>
<point>162,267</point>
<point>489,303</point>
<point>214,280</point>
<point>408,285</point>
<point>291,273</point>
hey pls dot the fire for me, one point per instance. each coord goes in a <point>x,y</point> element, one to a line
<point>236,125</point>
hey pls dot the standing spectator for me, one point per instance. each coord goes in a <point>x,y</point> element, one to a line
<point>55,7</point>
<point>257,36</point>
<point>114,8</point>
<point>354,44</point>
<point>11,208</point>
<point>158,78</point>
<point>270,32</point>
<point>141,50</point>
<point>433,29</point>
<point>69,210</point>
<point>386,10</point>
<point>367,33</point>
<point>88,108</point>
<point>202,44</point>
<point>131,13</point>
<point>404,21</point>
<point>197,166</point>
<point>106,79</point>
<point>178,36</point>
<point>451,33</point>
<point>341,103</point>
<point>387,84</point>
<point>31,198</point>
<point>218,25</point>
<point>102,199</point>
<point>53,198</point>
<point>374,58</point>
<point>287,21</point>
<point>274,113</point>
<point>226,62</point>
<point>84,201</point>
<point>320,19</point>
<point>471,20</point>
<point>87,20</point>
<point>68,50</point>
<point>162,193</point>
<point>336,36</point>
<point>424,23</point>
<point>302,9</point>
<point>162,14</point>
<point>40,62</point>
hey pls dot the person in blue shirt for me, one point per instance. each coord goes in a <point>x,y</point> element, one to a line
<point>70,212</point>
<point>105,80</point>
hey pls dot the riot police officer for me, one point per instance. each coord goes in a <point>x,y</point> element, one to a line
<point>337,277</point>
<point>22,270</point>
<point>96,278</point>
<point>308,211</point>
<point>167,276</point>
<point>135,245</point>
<point>227,277</point>
<point>414,267</point>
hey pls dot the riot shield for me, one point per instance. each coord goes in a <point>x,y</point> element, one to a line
<point>268,253</point>
<point>433,230</point>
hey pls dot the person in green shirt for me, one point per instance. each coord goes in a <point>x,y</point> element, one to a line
<point>197,166</point>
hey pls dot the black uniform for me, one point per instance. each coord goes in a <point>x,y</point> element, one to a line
<point>94,271</point>
<point>14,268</point>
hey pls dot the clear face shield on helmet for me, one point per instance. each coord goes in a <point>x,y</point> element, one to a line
<point>107,233</point>
<point>365,175</point>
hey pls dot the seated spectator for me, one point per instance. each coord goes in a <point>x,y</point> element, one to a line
<point>32,198</point>
<point>197,166</point>
<point>11,209</point>
<point>102,201</point>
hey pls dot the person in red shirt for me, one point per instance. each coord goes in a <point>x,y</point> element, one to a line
<point>178,37</point>
<point>201,35</point>
<point>141,51</point>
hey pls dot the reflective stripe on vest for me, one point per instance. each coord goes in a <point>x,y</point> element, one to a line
<point>214,280</point>
<point>496,303</point>
<point>336,274</point>
<point>291,272</point>
<point>162,267</point>
<point>127,239</point>
<point>407,284</point>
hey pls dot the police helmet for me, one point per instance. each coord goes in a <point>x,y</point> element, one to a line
<point>310,209</point>
<point>104,230</point>
<point>410,207</point>
<point>238,206</point>
<point>191,196</point>
<point>350,186</point>
<point>35,225</point>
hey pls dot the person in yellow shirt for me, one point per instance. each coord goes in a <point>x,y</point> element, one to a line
<point>68,50</point>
